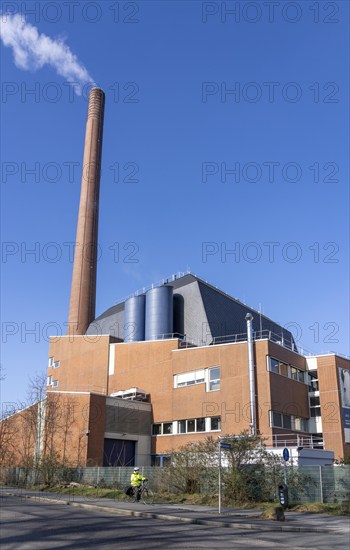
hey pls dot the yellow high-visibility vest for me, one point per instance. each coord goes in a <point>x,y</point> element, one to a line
<point>136,479</point>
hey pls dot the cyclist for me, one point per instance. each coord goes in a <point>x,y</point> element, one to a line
<point>136,482</point>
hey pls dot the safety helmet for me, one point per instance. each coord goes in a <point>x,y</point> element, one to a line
<point>136,469</point>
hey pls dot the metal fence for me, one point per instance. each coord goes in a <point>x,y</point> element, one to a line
<point>326,484</point>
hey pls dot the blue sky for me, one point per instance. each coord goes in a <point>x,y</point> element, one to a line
<point>193,94</point>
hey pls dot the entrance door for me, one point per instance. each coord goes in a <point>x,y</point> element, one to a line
<point>119,452</point>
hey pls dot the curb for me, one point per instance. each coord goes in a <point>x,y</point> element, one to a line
<point>167,517</point>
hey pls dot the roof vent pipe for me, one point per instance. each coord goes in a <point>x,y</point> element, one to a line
<point>249,318</point>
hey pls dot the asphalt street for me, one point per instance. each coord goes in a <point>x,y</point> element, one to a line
<point>27,524</point>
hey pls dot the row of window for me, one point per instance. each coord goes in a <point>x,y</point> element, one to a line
<point>279,367</point>
<point>288,422</point>
<point>313,380</point>
<point>160,460</point>
<point>190,425</point>
<point>210,377</point>
<point>53,363</point>
<point>315,406</point>
<point>50,382</point>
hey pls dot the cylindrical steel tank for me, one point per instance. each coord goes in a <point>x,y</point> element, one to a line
<point>159,312</point>
<point>134,319</point>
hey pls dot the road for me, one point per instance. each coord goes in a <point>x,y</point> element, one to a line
<point>28,524</point>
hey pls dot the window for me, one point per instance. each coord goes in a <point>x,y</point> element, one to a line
<point>283,369</point>
<point>288,422</point>
<point>215,423</point>
<point>297,374</point>
<point>214,379</point>
<point>200,424</point>
<point>313,381</point>
<point>314,401</point>
<point>49,380</point>
<point>300,375</point>
<point>315,407</point>
<point>56,364</point>
<point>167,428</point>
<point>278,367</point>
<point>181,426</point>
<point>297,423</point>
<point>156,429</point>
<point>277,420</point>
<point>160,460</point>
<point>191,425</point>
<point>51,362</point>
<point>189,378</point>
<point>55,383</point>
<point>211,376</point>
<point>274,365</point>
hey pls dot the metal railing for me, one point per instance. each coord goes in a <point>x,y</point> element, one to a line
<point>261,335</point>
<point>294,440</point>
<point>162,282</point>
<point>239,338</point>
<point>265,334</point>
<point>186,342</point>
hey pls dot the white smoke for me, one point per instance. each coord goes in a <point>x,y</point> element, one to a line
<point>32,50</point>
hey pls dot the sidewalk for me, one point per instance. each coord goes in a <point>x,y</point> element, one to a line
<point>200,515</point>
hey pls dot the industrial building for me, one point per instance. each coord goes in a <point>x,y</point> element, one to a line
<point>181,388</point>
<point>174,363</point>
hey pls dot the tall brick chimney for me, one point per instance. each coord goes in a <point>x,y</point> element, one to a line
<point>83,291</point>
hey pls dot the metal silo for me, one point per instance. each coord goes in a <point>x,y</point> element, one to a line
<point>134,319</point>
<point>159,312</point>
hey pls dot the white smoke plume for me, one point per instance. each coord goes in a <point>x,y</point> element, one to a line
<point>32,50</point>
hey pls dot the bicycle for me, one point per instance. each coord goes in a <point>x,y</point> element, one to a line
<point>142,493</point>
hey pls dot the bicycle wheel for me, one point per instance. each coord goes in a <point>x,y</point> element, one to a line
<point>147,496</point>
<point>130,498</point>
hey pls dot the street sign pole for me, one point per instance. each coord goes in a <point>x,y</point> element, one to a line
<point>286,458</point>
<point>285,472</point>
<point>219,476</point>
<point>222,445</point>
<point>283,487</point>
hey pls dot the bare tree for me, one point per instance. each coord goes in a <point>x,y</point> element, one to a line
<point>45,434</point>
<point>7,442</point>
<point>2,373</point>
<point>37,388</point>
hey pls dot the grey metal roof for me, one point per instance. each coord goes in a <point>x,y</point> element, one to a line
<point>208,313</point>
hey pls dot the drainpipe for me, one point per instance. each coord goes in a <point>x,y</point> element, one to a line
<point>249,318</point>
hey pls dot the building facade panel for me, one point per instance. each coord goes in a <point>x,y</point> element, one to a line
<point>192,393</point>
<point>83,363</point>
<point>96,430</point>
<point>330,401</point>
